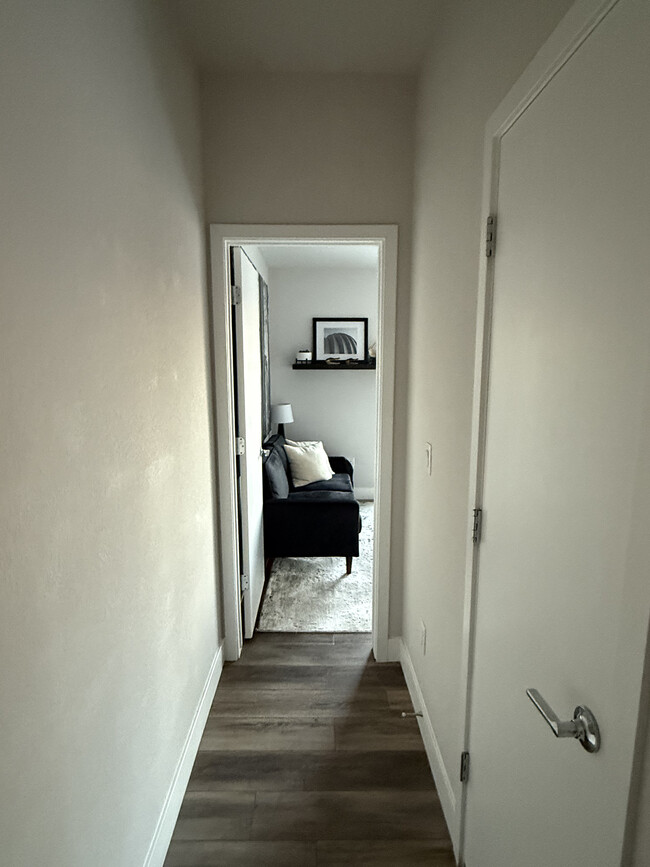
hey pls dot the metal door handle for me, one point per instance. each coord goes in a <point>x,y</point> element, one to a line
<point>583,726</point>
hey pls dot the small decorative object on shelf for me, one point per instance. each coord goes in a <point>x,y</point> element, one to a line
<point>303,355</point>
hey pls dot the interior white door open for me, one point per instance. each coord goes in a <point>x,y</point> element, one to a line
<point>562,593</point>
<point>248,424</point>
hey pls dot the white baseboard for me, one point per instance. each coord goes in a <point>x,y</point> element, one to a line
<point>364,493</point>
<point>434,754</point>
<point>171,808</point>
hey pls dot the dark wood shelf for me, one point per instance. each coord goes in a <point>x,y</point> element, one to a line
<point>344,365</point>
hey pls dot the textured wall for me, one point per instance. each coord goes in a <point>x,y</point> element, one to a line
<point>319,149</point>
<point>108,620</point>
<point>478,52</point>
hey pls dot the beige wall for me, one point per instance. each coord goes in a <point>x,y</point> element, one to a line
<point>478,52</point>
<point>108,620</point>
<point>318,149</point>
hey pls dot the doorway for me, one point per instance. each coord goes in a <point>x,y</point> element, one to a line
<point>330,398</point>
<point>383,241</point>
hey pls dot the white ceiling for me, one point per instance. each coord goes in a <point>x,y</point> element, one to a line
<point>320,255</point>
<point>372,36</point>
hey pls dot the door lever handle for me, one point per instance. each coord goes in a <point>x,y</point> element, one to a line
<point>582,727</point>
<point>561,729</point>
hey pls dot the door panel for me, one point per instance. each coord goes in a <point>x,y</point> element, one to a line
<point>249,426</point>
<point>563,596</point>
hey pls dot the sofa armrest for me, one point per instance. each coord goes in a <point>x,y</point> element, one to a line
<point>340,464</point>
<point>312,525</point>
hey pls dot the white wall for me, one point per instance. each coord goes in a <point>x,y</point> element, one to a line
<point>283,148</point>
<point>335,406</point>
<point>478,52</point>
<point>108,617</point>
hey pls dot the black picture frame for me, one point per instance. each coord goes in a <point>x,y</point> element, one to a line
<point>341,337</point>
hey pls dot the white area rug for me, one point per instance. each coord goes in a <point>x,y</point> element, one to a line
<point>313,594</point>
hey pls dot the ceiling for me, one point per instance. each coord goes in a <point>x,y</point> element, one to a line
<point>320,255</point>
<point>369,36</point>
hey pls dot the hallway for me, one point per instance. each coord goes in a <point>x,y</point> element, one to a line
<point>306,762</point>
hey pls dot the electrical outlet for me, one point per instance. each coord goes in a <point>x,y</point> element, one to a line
<point>428,448</point>
<point>423,637</point>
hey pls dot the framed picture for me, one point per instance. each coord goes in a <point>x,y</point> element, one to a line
<point>345,338</point>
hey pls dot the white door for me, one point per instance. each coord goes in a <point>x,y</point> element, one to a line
<point>563,588</point>
<point>249,428</point>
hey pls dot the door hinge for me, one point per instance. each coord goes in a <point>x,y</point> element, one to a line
<point>236,294</point>
<point>464,767</point>
<point>244,582</point>
<point>490,236</point>
<point>240,446</point>
<point>477,526</point>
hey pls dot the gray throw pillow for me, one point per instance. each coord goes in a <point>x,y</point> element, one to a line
<point>276,475</point>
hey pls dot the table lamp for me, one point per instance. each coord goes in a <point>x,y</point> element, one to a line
<point>281,414</point>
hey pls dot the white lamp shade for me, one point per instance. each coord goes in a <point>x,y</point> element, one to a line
<point>281,413</point>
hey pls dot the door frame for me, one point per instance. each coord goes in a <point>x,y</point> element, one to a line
<point>577,25</point>
<point>222,238</point>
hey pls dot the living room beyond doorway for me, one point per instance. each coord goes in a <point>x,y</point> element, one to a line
<point>322,351</point>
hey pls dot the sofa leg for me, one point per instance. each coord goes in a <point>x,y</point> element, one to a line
<point>268,564</point>
<point>348,565</point>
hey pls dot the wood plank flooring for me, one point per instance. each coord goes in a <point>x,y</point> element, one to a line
<point>306,762</point>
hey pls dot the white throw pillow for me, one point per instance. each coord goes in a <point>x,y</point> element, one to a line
<point>308,463</point>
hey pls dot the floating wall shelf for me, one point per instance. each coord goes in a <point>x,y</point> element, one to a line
<point>371,364</point>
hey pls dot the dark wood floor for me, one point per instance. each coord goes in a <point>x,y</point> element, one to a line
<point>306,762</point>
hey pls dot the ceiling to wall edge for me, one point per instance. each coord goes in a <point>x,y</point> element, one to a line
<point>367,37</point>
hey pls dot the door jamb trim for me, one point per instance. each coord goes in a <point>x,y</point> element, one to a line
<point>222,237</point>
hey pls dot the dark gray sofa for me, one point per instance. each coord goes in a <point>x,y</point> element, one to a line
<point>316,520</point>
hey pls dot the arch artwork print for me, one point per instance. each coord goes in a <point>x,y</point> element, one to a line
<point>339,342</point>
